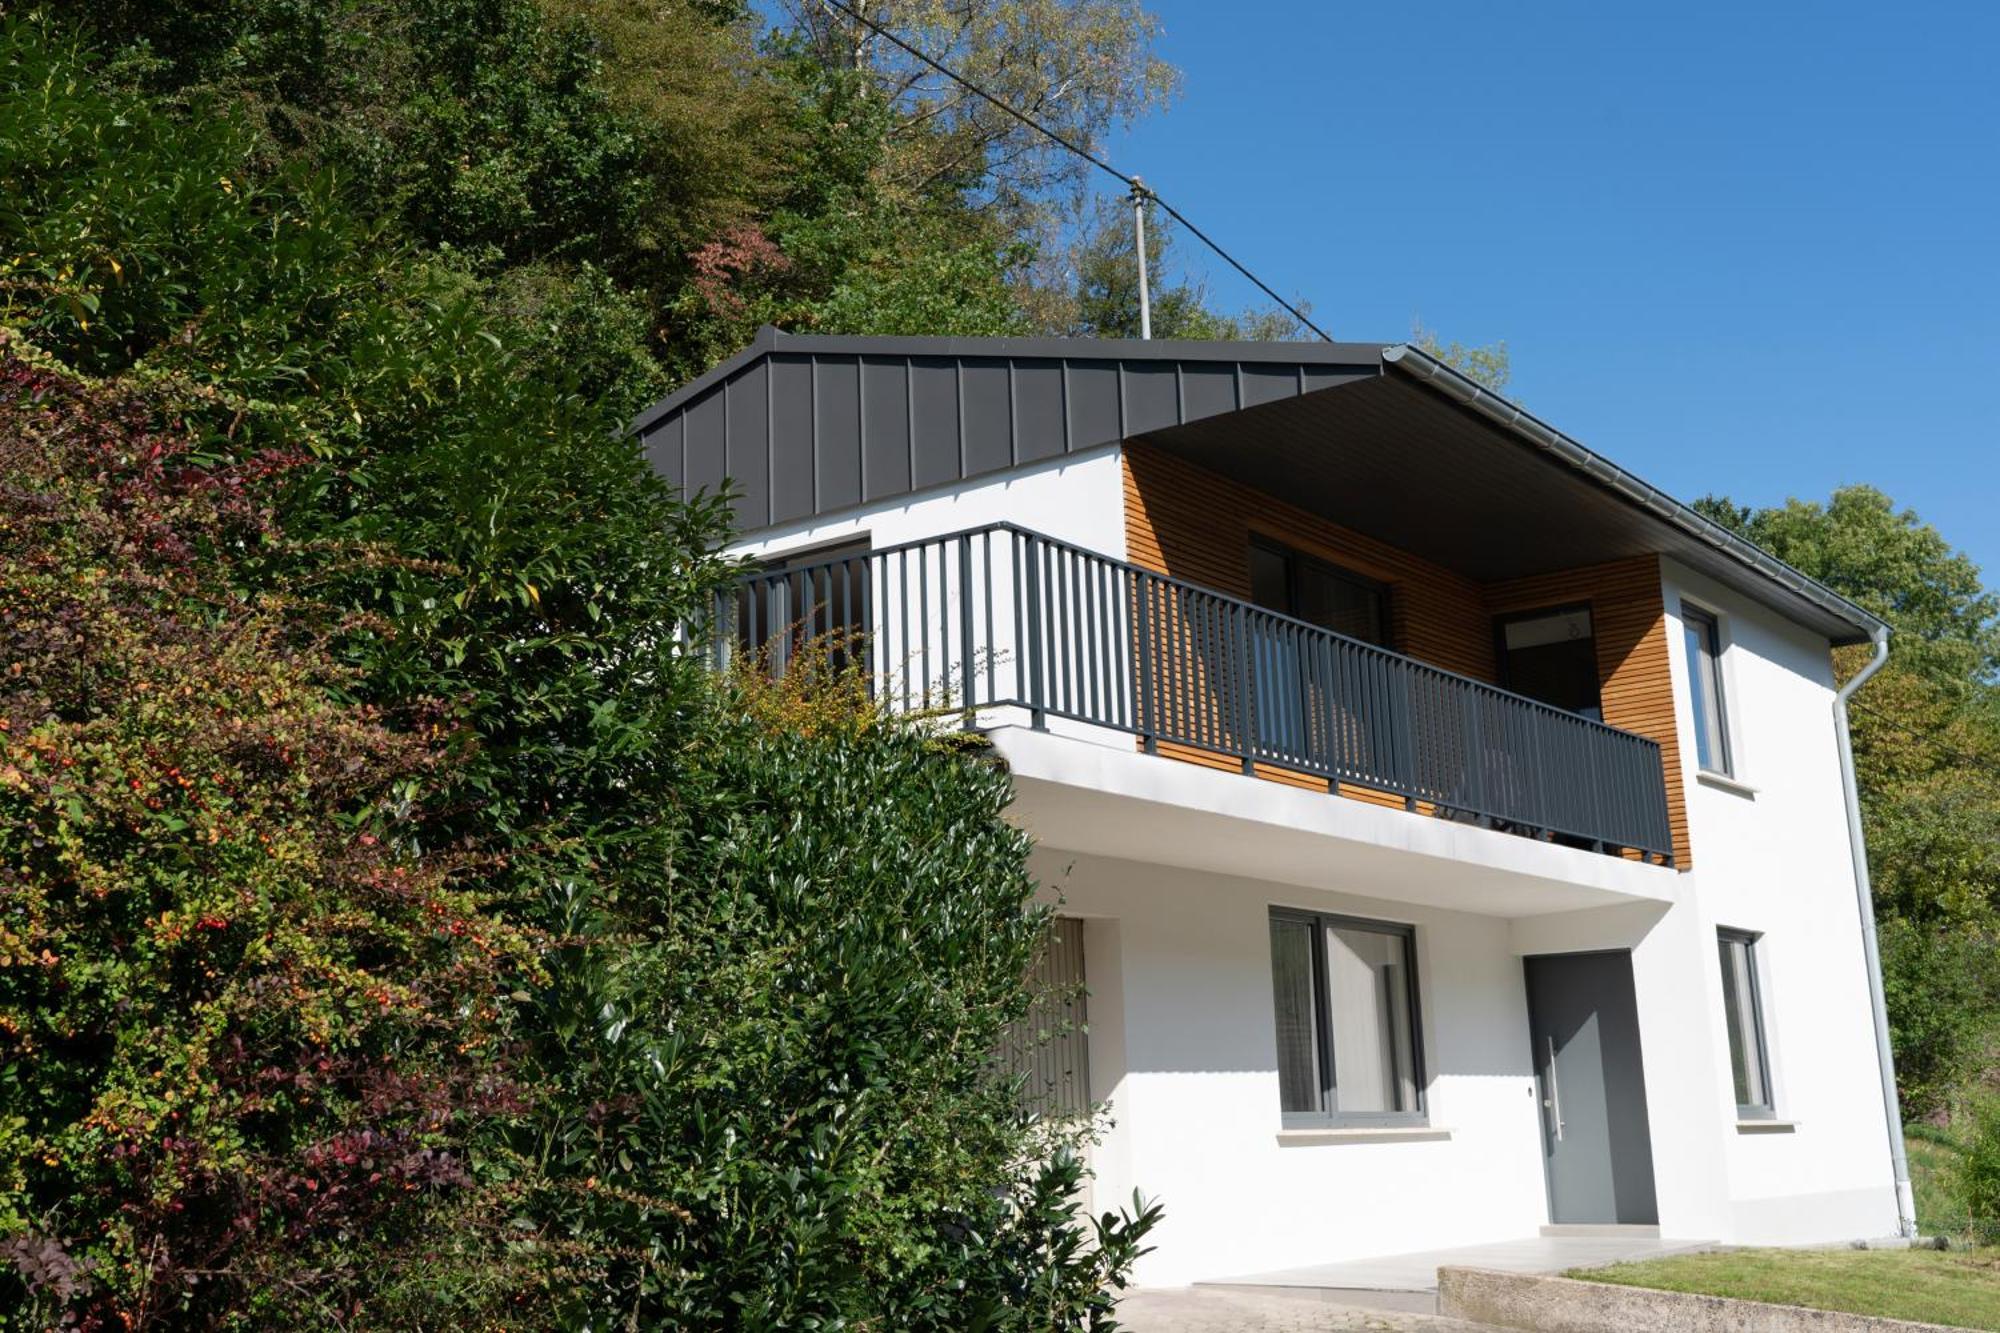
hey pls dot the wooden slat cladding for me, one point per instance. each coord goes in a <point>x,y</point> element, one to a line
<point>1188,522</point>
<point>1628,619</point>
<point>1183,520</point>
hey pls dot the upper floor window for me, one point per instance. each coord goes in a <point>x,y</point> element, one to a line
<point>1704,662</point>
<point>1345,995</point>
<point>1295,584</point>
<point>1552,656</point>
<point>1742,1008</point>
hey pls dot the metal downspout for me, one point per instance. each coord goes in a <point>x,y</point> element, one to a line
<point>1906,1206</point>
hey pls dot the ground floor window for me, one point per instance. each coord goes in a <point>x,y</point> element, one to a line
<point>1743,1011</point>
<point>1349,1044</point>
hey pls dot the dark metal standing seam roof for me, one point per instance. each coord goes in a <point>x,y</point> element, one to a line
<point>805,425</point>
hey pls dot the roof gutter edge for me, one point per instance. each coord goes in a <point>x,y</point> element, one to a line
<point>1421,365</point>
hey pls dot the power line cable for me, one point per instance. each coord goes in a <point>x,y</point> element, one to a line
<point>1131,182</point>
<point>1931,736</point>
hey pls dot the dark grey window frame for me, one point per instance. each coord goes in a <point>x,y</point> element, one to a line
<point>1748,939</point>
<point>1296,561</point>
<point>1701,631</point>
<point>1500,649</point>
<point>1327,1117</point>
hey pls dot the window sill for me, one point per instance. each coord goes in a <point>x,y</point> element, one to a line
<point>1303,1138</point>
<point>1767,1126</point>
<point>1723,782</point>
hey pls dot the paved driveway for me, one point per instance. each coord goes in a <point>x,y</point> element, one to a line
<point>1209,1310</point>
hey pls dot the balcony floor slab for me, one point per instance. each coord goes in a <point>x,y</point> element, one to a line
<point>1085,796</point>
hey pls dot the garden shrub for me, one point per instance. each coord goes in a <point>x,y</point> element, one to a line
<point>798,1043</point>
<point>247,1019</point>
<point>1978,1170</point>
<point>1938,982</point>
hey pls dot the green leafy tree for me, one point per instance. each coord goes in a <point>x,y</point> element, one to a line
<point>1093,290</point>
<point>1486,364</point>
<point>639,183</point>
<point>1081,67</point>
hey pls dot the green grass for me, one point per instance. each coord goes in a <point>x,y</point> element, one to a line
<point>1960,1287</point>
<point>1957,1287</point>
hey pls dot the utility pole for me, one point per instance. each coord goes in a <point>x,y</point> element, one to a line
<point>1139,196</point>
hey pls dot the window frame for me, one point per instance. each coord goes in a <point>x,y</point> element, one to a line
<point>1700,623</point>
<point>1501,651</point>
<point>1767,1109</point>
<point>1328,1116</point>
<point>1296,559</point>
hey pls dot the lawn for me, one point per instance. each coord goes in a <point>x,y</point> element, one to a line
<point>1959,1287</point>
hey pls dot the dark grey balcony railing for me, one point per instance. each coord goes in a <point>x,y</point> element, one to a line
<point>999,617</point>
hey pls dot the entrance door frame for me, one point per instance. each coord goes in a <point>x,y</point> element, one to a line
<point>1542,1090</point>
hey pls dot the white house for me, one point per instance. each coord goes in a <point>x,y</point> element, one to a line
<point>1452,832</point>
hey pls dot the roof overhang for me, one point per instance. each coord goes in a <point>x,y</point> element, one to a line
<point>1384,439</point>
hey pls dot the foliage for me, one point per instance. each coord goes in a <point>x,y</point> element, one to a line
<point>1487,365</point>
<point>845,248</point>
<point>643,182</point>
<point>524,559</point>
<point>1978,1175</point>
<point>1082,67</point>
<point>1096,291</point>
<point>1933,1155</point>
<point>780,1074</point>
<point>247,1021</point>
<point>1939,986</point>
<point>1926,744</point>
<point>741,1075</point>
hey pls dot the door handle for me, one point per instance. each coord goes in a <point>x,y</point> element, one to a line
<point>1554,1101</point>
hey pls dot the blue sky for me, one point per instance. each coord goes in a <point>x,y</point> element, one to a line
<point>1747,248</point>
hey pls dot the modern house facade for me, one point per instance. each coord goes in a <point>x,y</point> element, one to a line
<point>1449,831</point>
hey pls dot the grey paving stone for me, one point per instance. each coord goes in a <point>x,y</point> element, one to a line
<point>1206,1310</point>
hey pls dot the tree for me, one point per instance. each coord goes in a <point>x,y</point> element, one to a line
<point>636,184</point>
<point>1486,365</point>
<point>1091,288</point>
<point>1081,67</point>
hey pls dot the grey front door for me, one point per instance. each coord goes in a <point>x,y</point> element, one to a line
<point>1584,1020</point>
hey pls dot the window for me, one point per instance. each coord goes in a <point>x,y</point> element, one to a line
<point>1552,656</point>
<point>1294,584</point>
<point>1345,997</point>
<point>1704,651</point>
<point>1743,1012</point>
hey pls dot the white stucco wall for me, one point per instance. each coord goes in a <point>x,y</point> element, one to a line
<point>1079,498</point>
<point>1185,1051</point>
<point>1771,856</point>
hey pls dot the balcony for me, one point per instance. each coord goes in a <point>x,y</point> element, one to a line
<point>998,621</point>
